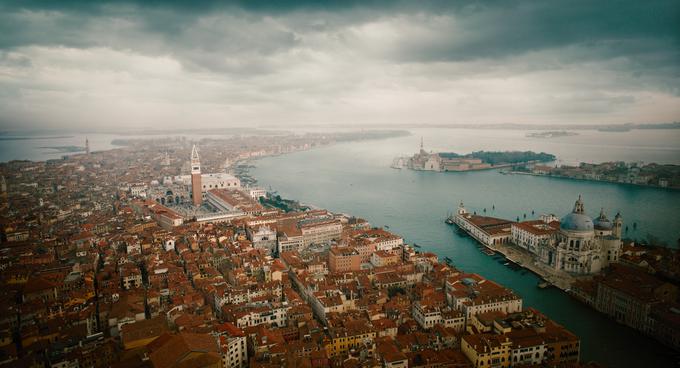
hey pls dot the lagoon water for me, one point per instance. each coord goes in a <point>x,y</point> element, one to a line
<point>355,178</point>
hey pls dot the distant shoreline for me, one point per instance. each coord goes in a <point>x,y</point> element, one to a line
<point>514,126</point>
<point>25,138</point>
<point>591,180</point>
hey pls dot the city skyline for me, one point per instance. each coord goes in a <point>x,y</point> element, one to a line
<point>128,64</point>
<point>398,184</point>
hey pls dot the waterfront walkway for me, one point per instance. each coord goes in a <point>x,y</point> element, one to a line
<point>560,279</point>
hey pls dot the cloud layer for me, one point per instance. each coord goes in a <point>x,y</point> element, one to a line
<point>204,64</point>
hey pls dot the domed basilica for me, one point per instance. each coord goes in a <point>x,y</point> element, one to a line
<point>583,245</point>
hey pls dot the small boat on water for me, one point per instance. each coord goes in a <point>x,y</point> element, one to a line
<point>518,263</point>
<point>447,259</point>
<point>544,284</point>
<point>416,245</point>
<point>387,226</point>
<point>449,220</point>
<point>488,251</point>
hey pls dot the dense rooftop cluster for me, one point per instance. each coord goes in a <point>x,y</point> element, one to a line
<point>90,278</point>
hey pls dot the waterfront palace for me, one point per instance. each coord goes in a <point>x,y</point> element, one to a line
<point>576,244</point>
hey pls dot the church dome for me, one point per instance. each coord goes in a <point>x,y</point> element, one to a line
<point>602,222</point>
<point>577,220</point>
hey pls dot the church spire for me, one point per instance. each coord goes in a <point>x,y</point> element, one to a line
<point>195,161</point>
<point>194,153</point>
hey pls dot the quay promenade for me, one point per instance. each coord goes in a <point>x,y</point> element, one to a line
<point>523,258</point>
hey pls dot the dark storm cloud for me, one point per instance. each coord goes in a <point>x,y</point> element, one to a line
<point>516,27</point>
<point>345,59</point>
<point>480,29</point>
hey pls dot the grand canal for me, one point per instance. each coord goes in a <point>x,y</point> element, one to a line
<point>355,178</point>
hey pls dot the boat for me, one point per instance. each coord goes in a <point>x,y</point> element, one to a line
<point>544,284</point>
<point>447,259</point>
<point>416,245</point>
<point>387,226</point>
<point>488,251</point>
<point>449,221</point>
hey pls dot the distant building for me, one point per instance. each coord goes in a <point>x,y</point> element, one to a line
<point>257,193</point>
<point>443,162</point>
<point>262,236</point>
<point>3,192</point>
<point>472,295</point>
<point>233,345</point>
<point>229,200</point>
<point>628,295</point>
<point>487,350</point>
<point>487,230</point>
<point>584,246</point>
<point>184,189</point>
<point>185,350</point>
<point>576,244</point>
<point>320,231</point>
<point>344,259</point>
<point>196,189</point>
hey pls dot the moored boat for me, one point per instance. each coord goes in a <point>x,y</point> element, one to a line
<point>544,284</point>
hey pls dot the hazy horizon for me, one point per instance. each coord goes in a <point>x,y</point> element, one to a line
<point>151,65</point>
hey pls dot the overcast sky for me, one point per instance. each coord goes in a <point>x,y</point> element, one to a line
<point>196,64</point>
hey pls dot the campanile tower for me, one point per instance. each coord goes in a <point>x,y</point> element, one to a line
<point>196,191</point>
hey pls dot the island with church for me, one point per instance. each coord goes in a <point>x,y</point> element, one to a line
<point>479,160</point>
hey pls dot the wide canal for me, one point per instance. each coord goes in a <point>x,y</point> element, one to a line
<point>355,178</point>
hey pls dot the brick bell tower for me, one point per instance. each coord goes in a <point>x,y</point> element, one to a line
<point>196,189</point>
